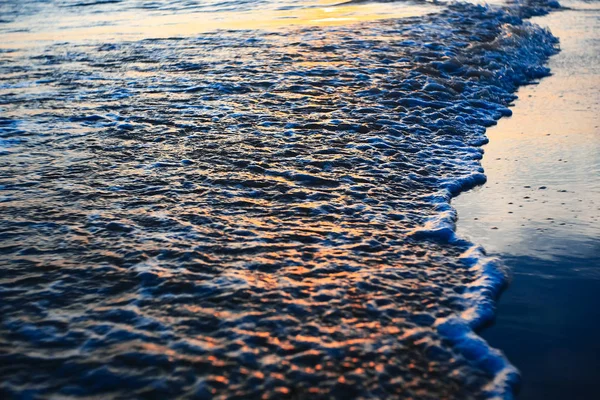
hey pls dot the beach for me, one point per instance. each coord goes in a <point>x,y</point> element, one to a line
<point>539,212</point>
<point>258,199</point>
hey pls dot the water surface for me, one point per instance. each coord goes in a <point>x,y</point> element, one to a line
<point>253,213</point>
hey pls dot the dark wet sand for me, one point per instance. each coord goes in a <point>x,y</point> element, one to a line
<point>539,212</point>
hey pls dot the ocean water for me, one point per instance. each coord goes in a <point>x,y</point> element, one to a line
<point>251,213</point>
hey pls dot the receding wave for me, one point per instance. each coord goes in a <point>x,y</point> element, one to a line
<point>253,214</point>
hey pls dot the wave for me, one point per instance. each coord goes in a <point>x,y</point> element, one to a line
<point>250,214</point>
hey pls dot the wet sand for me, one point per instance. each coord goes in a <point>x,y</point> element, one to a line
<point>539,212</point>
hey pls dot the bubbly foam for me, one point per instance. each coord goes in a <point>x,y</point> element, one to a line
<point>252,214</point>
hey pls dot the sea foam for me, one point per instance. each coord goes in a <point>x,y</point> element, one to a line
<point>250,214</point>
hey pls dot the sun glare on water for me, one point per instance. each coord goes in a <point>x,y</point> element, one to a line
<point>110,24</point>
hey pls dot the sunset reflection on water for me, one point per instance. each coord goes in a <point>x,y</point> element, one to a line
<point>114,23</point>
<point>251,213</point>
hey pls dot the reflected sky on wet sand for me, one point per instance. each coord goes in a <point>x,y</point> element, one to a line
<point>540,212</point>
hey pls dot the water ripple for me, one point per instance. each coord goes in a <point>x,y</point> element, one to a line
<point>255,215</point>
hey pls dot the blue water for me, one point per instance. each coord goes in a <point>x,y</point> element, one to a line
<point>255,214</point>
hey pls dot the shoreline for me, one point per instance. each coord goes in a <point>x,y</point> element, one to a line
<point>537,214</point>
<point>524,61</point>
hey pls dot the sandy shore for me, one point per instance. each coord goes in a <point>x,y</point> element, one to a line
<point>540,212</point>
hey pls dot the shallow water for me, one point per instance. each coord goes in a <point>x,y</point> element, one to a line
<point>255,214</point>
<point>36,23</point>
